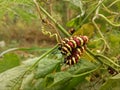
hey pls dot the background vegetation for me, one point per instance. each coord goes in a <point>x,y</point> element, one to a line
<point>30,59</point>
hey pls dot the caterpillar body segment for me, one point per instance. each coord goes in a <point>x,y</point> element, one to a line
<point>68,44</point>
<point>72,48</point>
<point>75,56</point>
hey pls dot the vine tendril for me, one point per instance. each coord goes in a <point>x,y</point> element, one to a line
<point>45,32</point>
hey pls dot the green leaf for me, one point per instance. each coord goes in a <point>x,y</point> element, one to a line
<point>39,84</point>
<point>57,78</point>
<point>8,61</point>
<point>27,82</point>
<point>52,81</point>
<point>67,79</point>
<point>112,83</point>
<point>9,77</point>
<point>62,80</point>
<point>86,29</point>
<point>46,66</point>
<point>83,66</point>
<point>74,22</point>
<point>74,82</point>
<point>82,69</point>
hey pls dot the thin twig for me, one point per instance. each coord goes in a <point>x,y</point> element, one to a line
<point>109,11</point>
<point>99,31</point>
<point>99,56</point>
<point>100,2</point>
<point>9,50</point>
<point>56,23</point>
<point>48,23</point>
<point>38,9</point>
<point>113,24</point>
<point>57,35</point>
<point>113,3</point>
<point>79,75</point>
<point>111,61</point>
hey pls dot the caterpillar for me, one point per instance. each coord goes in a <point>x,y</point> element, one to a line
<point>75,56</point>
<point>70,43</point>
<point>72,48</point>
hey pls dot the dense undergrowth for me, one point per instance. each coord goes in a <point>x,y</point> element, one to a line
<point>35,28</point>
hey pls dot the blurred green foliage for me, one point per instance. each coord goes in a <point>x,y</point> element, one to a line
<point>8,61</point>
<point>20,22</point>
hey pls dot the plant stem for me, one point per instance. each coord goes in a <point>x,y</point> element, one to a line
<point>91,53</point>
<point>109,11</point>
<point>34,65</point>
<point>113,3</point>
<point>56,23</point>
<point>9,50</point>
<point>100,2</point>
<point>43,55</point>
<point>78,75</point>
<point>98,56</point>
<point>113,24</point>
<point>99,31</point>
<point>47,14</point>
<point>38,9</point>
<point>104,57</point>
